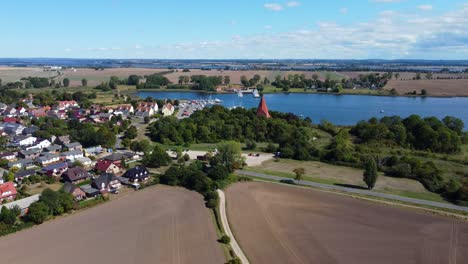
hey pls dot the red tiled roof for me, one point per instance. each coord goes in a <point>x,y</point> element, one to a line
<point>5,188</point>
<point>262,109</point>
<point>10,120</point>
<point>103,165</point>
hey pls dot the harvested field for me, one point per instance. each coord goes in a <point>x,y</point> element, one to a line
<point>14,74</point>
<point>236,75</point>
<point>282,224</point>
<point>156,225</point>
<point>433,87</point>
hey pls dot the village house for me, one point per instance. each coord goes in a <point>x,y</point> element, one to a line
<point>115,158</point>
<point>11,120</point>
<point>65,105</point>
<point>21,111</point>
<point>23,204</point>
<point>124,109</point>
<point>13,129</point>
<point>90,191</point>
<point>93,151</point>
<point>3,107</point>
<point>106,183</point>
<point>48,158</point>
<point>137,174</point>
<point>144,111</point>
<point>21,140</point>
<point>62,140</point>
<point>168,109</point>
<point>53,148</point>
<point>30,154</point>
<point>106,166</point>
<point>71,155</point>
<point>41,112</point>
<point>30,130</point>
<point>7,192</point>
<point>73,146</point>
<point>20,175</point>
<point>10,111</point>
<point>21,164</point>
<point>10,156</point>
<point>152,105</point>
<point>55,169</point>
<point>87,162</point>
<point>75,191</point>
<point>40,144</point>
<point>75,175</point>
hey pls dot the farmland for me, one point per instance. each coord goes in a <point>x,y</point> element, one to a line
<point>157,225</point>
<point>457,87</point>
<point>282,224</point>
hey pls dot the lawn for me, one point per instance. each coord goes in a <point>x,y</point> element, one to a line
<point>39,187</point>
<point>330,174</point>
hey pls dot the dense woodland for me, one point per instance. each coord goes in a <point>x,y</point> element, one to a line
<point>292,137</point>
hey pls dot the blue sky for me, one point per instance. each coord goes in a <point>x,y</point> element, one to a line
<point>251,29</point>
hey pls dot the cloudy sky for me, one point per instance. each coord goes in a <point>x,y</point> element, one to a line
<point>245,29</point>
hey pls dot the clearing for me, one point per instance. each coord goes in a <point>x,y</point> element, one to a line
<point>282,224</point>
<point>346,176</point>
<point>155,225</point>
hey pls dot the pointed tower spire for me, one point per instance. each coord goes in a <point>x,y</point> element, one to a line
<point>262,109</point>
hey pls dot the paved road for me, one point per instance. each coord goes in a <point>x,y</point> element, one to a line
<point>363,192</point>
<point>235,246</point>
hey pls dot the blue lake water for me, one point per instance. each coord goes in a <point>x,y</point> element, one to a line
<point>338,109</point>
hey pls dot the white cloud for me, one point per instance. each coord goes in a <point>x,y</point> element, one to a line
<point>273,6</point>
<point>425,7</point>
<point>293,4</point>
<point>68,50</point>
<point>390,35</point>
<point>138,46</point>
<point>344,10</point>
<point>268,27</point>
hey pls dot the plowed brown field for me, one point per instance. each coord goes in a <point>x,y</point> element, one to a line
<point>282,224</point>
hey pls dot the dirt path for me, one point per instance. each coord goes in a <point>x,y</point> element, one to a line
<point>235,246</point>
<point>155,225</point>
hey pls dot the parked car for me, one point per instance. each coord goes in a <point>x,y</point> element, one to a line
<point>287,181</point>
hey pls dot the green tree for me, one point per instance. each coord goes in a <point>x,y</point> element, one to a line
<point>227,79</point>
<point>229,155</point>
<point>7,216</point>
<point>225,239</point>
<point>370,172</point>
<point>131,132</point>
<point>66,82</point>
<point>84,82</point>
<point>38,212</point>
<point>299,174</point>
<point>157,158</point>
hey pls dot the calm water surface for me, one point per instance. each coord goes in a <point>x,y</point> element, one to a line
<point>338,109</point>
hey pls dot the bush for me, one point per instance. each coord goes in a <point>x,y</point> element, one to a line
<point>250,145</point>
<point>225,239</point>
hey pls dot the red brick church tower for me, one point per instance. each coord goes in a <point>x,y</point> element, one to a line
<point>262,109</point>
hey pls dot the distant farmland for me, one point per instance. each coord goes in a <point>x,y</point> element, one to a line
<point>433,87</point>
<point>282,224</point>
<point>156,225</point>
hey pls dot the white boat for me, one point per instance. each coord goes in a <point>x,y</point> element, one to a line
<point>382,111</point>
<point>217,101</point>
<point>240,94</point>
<point>255,93</point>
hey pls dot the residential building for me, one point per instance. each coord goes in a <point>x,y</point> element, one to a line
<point>106,182</point>
<point>7,192</point>
<point>75,175</point>
<point>73,146</point>
<point>144,111</point>
<point>64,105</point>
<point>13,129</point>
<point>124,109</point>
<point>23,204</point>
<point>55,169</point>
<point>10,156</point>
<point>20,175</point>
<point>62,140</point>
<point>168,109</point>
<point>93,151</point>
<point>21,140</point>
<point>77,193</point>
<point>71,155</point>
<point>30,154</point>
<point>21,164</point>
<point>90,191</point>
<point>47,159</point>
<point>152,105</point>
<point>30,130</point>
<point>53,148</point>
<point>10,111</point>
<point>87,162</point>
<point>137,174</point>
<point>107,166</point>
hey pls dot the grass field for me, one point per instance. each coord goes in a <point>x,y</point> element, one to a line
<point>282,224</point>
<point>339,175</point>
